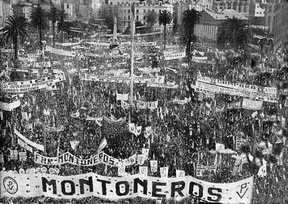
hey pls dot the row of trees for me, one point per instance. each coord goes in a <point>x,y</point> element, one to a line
<point>16,27</point>
<point>189,19</point>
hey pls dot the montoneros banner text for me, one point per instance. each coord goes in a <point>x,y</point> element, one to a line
<point>114,188</point>
<point>68,158</point>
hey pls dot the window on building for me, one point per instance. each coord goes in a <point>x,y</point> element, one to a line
<point>67,6</point>
<point>137,17</point>
<point>137,11</point>
<point>128,10</point>
<point>129,17</point>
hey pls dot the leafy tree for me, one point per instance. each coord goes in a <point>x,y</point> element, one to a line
<point>15,28</point>
<point>62,25</point>
<point>39,21</point>
<point>189,19</point>
<point>53,16</point>
<point>165,17</point>
<point>233,32</point>
<point>150,19</point>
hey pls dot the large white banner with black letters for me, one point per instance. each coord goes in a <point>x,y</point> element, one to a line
<point>114,188</point>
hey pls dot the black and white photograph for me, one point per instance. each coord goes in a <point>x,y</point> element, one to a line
<point>143,101</point>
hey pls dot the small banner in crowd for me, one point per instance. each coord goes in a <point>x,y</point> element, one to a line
<point>180,173</point>
<point>143,170</point>
<point>22,156</point>
<point>136,130</point>
<point>9,106</point>
<point>164,172</point>
<point>121,169</point>
<point>122,97</point>
<point>26,143</point>
<point>13,154</point>
<point>114,188</point>
<point>251,104</point>
<point>153,165</point>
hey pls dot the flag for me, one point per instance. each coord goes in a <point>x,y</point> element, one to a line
<point>74,144</point>
<point>263,169</point>
<point>143,170</point>
<point>153,165</point>
<point>102,144</point>
<point>164,172</point>
<point>180,173</point>
<point>121,169</point>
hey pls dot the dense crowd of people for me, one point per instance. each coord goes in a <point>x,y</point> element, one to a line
<point>187,126</point>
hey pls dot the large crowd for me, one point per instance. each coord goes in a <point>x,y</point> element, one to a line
<point>187,126</point>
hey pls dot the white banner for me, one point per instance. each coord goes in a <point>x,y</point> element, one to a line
<point>59,51</point>
<point>122,79</point>
<point>144,105</point>
<point>27,143</point>
<point>68,158</point>
<point>143,170</point>
<point>122,97</point>
<point>31,85</point>
<point>252,104</point>
<point>268,94</point>
<point>172,56</point>
<point>9,106</point>
<point>153,165</point>
<point>114,188</point>
<point>164,172</point>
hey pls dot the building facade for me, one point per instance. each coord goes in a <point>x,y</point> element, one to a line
<point>122,11</point>
<point>5,11</point>
<point>210,21</point>
<point>241,6</point>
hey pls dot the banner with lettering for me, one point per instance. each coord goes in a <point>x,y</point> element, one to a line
<point>31,85</point>
<point>59,51</point>
<point>268,94</point>
<point>122,97</point>
<point>122,79</point>
<point>10,106</point>
<point>13,154</point>
<point>68,158</point>
<point>26,143</point>
<point>251,104</point>
<point>114,188</point>
<point>144,105</point>
<point>173,55</point>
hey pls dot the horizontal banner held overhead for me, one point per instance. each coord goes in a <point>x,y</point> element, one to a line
<point>114,188</point>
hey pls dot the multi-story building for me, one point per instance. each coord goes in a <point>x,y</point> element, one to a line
<point>5,11</point>
<point>210,21</point>
<point>242,6</point>
<point>280,29</point>
<point>122,10</point>
<point>200,5</point>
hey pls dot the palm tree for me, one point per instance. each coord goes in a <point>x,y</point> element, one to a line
<point>62,25</point>
<point>165,17</point>
<point>150,19</point>
<point>53,16</point>
<point>15,28</point>
<point>234,32</point>
<point>189,19</point>
<point>39,21</point>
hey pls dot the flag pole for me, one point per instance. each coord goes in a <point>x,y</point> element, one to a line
<point>132,52</point>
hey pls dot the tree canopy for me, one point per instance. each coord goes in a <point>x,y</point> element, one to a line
<point>233,32</point>
<point>15,28</point>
